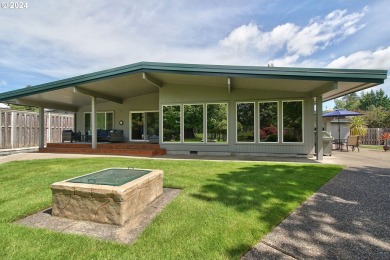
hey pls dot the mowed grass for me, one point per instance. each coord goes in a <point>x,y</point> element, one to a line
<point>374,147</point>
<point>224,209</point>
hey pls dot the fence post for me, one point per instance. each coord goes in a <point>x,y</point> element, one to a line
<point>12,128</point>
<point>49,128</point>
<point>5,129</point>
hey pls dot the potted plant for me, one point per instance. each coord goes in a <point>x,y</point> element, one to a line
<point>357,126</point>
<point>386,137</point>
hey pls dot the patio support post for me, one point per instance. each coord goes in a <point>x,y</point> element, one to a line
<point>319,123</point>
<point>93,122</point>
<point>41,127</point>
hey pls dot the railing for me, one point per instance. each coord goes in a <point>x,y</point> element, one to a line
<point>20,129</point>
<point>374,136</point>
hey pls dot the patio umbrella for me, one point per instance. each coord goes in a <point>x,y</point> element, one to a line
<point>341,113</point>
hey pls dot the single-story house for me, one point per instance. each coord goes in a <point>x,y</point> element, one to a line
<point>204,109</point>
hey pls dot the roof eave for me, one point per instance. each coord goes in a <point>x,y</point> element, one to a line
<point>368,76</point>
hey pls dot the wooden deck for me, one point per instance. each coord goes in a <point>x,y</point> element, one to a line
<point>129,149</point>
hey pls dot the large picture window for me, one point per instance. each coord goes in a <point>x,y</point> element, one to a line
<point>217,123</point>
<point>245,122</point>
<point>104,120</point>
<point>268,122</point>
<point>292,121</point>
<point>171,123</point>
<point>193,123</point>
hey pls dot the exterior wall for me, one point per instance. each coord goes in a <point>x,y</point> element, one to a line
<point>177,94</point>
<point>121,111</point>
<point>184,94</point>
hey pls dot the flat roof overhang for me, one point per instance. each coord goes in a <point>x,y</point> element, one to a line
<point>144,78</point>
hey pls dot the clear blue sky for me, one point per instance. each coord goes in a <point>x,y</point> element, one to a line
<point>52,40</point>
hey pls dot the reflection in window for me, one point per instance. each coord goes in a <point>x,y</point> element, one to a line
<point>268,121</point>
<point>217,123</point>
<point>144,125</point>
<point>104,120</point>
<point>137,126</point>
<point>292,121</point>
<point>245,122</point>
<point>152,122</point>
<point>87,122</point>
<point>171,123</point>
<point>193,123</point>
<point>101,121</point>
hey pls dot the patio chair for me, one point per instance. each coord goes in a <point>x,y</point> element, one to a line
<point>70,136</point>
<point>67,136</point>
<point>353,140</point>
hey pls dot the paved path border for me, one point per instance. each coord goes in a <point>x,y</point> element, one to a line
<point>121,234</point>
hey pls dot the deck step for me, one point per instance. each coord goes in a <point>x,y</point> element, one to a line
<point>129,149</point>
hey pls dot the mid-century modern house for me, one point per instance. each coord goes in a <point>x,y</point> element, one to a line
<point>202,109</point>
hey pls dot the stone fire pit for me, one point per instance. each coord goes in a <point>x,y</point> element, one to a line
<point>111,196</point>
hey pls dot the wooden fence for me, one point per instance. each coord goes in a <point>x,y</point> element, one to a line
<point>374,136</point>
<point>20,129</point>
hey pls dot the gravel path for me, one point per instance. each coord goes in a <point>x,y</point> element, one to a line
<point>348,218</point>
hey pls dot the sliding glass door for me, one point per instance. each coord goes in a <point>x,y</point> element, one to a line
<point>143,125</point>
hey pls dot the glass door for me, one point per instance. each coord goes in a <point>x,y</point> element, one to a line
<point>137,126</point>
<point>143,125</point>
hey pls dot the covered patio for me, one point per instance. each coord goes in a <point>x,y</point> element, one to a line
<point>136,99</point>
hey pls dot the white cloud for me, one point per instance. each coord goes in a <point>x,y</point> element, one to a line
<point>250,36</point>
<point>321,33</point>
<point>295,41</point>
<point>379,59</point>
<point>56,39</point>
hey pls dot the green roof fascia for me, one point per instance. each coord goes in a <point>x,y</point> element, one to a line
<point>348,75</point>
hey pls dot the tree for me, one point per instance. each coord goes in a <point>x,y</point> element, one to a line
<point>23,108</point>
<point>376,99</point>
<point>377,117</point>
<point>348,102</point>
<point>193,121</point>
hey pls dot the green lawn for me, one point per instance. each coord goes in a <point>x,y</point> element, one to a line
<point>223,210</point>
<point>375,147</point>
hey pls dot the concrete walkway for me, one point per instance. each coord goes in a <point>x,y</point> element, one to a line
<point>348,218</point>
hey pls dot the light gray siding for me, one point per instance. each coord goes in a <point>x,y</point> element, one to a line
<point>184,94</point>
<point>121,111</point>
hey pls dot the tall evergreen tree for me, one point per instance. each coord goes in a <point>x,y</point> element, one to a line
<point>375,99</point>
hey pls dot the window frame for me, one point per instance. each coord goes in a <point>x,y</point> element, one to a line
<point>130,123</point>
<point>254,122</point>
<point>227,123</point>
<point>180,125</point>
<point>303,120</point>
<point>277,119</point>
<point>105,119</point>
<point>204,122</point>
